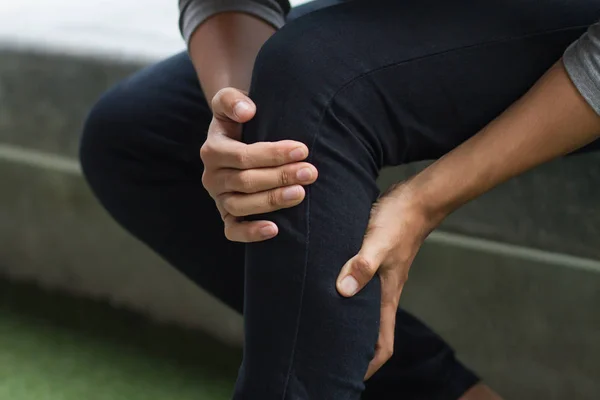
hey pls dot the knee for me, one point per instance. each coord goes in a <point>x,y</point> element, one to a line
<point>303,59</point>
<point>294,76</point>
<point>104,133</point>
<point>288,60</point>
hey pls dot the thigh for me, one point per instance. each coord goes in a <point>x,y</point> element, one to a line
<point>140,154</point>
<point>366,85</point>
<point>420,77</point>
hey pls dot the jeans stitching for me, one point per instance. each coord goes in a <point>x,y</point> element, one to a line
<point>312,151</point>
<point>436,54</point>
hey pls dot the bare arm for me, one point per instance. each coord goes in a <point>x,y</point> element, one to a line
<point>223,50</point>
<point>551,120</point>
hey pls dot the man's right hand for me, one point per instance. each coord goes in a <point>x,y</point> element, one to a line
<point>247,179</point>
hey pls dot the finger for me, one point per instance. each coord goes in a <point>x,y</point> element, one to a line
<point>230,104</point>
<point>224,152</point>
<point>268,154</point>
<point>385,343</point>
<point>390,297</point>
<point>240,205</point>
<point>262,179</point>
<point>249,231</point>
<point>361,268</point>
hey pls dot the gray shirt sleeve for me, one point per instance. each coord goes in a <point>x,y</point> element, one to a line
<point>582,62</point>
<point>194,12</point>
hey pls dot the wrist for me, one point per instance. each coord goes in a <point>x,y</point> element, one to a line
<point>421,214</point>
<point>434,194</point>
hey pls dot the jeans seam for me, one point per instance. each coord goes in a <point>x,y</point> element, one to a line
<point>313,146</point>
<point>312,150</point>
<point>448,51</point>
<point>435,54</point>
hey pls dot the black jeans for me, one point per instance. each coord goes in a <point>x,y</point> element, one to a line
<point>364,85</point>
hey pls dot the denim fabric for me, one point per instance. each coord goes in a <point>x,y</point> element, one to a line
<point>364,85</point>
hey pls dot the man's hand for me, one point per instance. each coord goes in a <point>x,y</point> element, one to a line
<point>395,232</point>
<point>550,120</point>
<point>250,179</point>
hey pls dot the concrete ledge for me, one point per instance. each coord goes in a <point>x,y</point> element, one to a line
<point>54,233</point>
<point>44,97</point>
<point>529,324</point>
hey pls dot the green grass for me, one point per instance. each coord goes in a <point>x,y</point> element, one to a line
<point>54,347</point>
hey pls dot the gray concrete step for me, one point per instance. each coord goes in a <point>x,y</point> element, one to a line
<point>527,321</point>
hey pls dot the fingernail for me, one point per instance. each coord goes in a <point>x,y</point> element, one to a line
<point>240,108</point>
<point>349,286</point>
<point>305,174</point>
<point>298,154</point>
<point>291,193</point>
<point>268,231</point>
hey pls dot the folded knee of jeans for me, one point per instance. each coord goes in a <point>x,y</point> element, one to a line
<point>293,58</point>
<point>105,127</point>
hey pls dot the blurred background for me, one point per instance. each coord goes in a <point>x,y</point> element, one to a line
<point>512,280</point>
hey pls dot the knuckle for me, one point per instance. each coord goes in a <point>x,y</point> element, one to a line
<point>284,178</point>
<point>218,97</point>
<point>279,154</point>
<point>235,210</point>
<point>206,180</point>
<point>403,278</point>
<point>229,235</point>
<point>224,214</point>
<point>388,353</point>
<point>272,198</point>
<point>229,182</point>
<point>242,158</point>
<point>230,205</point>
<point>236,232</point>
<point>364,267</point>
<point>244,181</point>
<point>206,152</point>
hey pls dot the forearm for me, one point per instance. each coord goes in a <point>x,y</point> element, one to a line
<point>551,120</point>
<point>223,50</point>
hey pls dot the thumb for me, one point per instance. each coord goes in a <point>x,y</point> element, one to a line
<point>361,268</point>
<point>230,104</point>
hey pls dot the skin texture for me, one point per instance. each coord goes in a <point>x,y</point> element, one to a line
<point>223,50</point>
<point>551,120</point>
<point>252,179</point>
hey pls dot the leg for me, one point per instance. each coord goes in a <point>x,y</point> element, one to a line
<point>140,154</point>
<point>364,86</point>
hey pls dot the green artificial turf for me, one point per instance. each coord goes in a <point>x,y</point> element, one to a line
<point>54,347</point>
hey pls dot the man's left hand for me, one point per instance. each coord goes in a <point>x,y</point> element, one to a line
<point>396,230</point>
